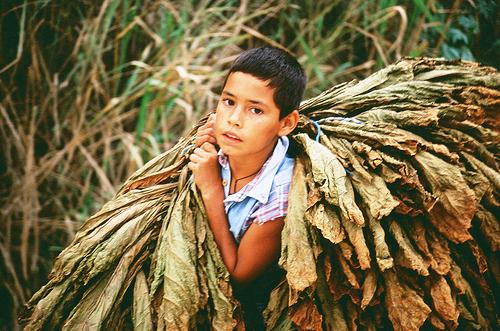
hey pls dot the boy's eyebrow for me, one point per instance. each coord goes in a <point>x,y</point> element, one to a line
<point>251,101</point>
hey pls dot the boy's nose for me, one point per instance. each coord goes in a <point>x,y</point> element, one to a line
<point>235,116</point>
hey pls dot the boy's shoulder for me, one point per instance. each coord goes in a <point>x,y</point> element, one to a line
<point>284,172</point>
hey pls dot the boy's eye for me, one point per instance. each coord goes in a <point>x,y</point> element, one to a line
<point>256,111</point>
<point>227,102</point>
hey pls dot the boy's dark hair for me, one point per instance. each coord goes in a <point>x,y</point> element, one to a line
<point>280,68</point>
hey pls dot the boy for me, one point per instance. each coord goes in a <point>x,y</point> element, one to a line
<point>245,185</point>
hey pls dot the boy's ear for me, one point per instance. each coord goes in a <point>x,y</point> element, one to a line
<point>288,123</point>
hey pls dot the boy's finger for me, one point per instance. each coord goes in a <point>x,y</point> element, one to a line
<point>201,140</point>
<point>211,118</point>
<point>208,147</point>
<point>194,157</point>
<point>205,131</point>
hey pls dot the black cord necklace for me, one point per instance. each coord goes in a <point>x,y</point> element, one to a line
<point>238,179</point>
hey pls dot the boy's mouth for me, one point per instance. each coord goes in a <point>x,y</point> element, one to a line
<point>231,137</point>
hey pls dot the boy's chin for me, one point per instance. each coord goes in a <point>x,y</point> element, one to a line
<point>231,150</point>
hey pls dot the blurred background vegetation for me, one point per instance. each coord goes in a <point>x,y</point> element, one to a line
<point>91,90</point>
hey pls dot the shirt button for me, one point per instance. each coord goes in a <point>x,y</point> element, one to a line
<point>224,182</point>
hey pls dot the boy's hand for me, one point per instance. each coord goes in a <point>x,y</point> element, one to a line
<point>205,133</point>
<point>203,164</point>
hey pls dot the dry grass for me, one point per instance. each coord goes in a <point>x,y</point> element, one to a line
<point>90,91</point>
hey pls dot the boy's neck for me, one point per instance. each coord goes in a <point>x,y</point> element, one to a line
<point>247,165</point>
<point>244,167</point>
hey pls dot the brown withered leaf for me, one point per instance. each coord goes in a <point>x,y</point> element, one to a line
<point>338,285</point>
<point>329,174</point>
<point>99,300</point>
<point>456,204</point>
<point>356,236</point>
<point>156,178</point>
<point>297,256</point>
<point>322,216</point>
<point>378,200</point>
<point>436,322</point>
<point>478,255</point>
<point>441,254</point>
<point>382,253</point>
<point>352,315</point>
<point>406,309</point>
<point>344,266</point>
<point>457,279</point>
<point>477,182</point>
<point>141,307</point>
<point>471,310</point>
<point>416,231</point>
<point>277,307</point>
<point>373,158</point>
<point>489,227</point>
<point>389,175</point>
<point>443,301</point>
<point>417,116</point>
<point>407,256</point>
<point>347,251</point>
<point>332,312</point>
<point>305,315</point>
<point>369,288</point>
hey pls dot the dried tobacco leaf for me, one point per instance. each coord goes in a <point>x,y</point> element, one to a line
<point>377,198</point>
<point>456,204</point>
<point>178,271</point>
<point>382,253</point>
<point>327,221</point>
<point>436,322</point>
<point>489,226</point>
<point>407,256</point>
<point>356,236</point>
<point>478,183</point>
<point>369,288</point>
<point>441,254</point>
<point>346,269</point>
<point>406,309</point>
<point>373,158</point>
<point>329,174</point>
<point>457,279</point>
<point>401,117</point>
<point>41,313</point>
<point>443,302</point>
<point>99,300</point>
<point>383,135</point>
<point>297,256</point>
<point>352,315</point>
<point>128,217</point>
<point>470,310</point>
<point>478,255</point>
<point>416,230</point>
<point>276,313</point>
<point>305,315</point>
<point>330,308</point>
<point>492,175</point>
<point>141,306</point>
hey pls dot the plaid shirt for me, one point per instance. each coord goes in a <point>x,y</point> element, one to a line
<point>265,198</point>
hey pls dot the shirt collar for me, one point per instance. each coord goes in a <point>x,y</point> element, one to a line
<point>260,187</point>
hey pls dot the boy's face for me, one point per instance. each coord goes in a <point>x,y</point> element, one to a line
<point>248,121</point>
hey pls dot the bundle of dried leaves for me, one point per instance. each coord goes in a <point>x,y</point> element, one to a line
<point>392,222</point>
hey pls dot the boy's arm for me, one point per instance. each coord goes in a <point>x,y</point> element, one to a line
<point>260,245</point>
